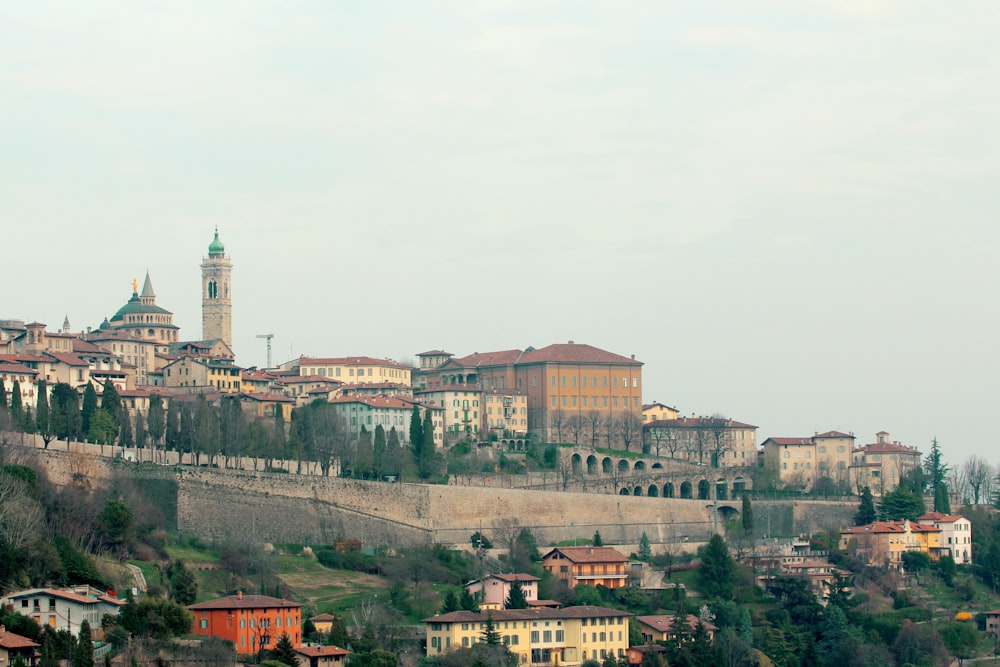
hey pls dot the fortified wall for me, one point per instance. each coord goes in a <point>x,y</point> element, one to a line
<point>309,509</point>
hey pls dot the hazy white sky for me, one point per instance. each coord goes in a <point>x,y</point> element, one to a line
<point>787,210</point>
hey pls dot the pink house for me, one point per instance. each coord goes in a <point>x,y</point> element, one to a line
<point>492,591</point>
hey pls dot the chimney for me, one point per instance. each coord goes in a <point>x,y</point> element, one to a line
<point>239,595</point>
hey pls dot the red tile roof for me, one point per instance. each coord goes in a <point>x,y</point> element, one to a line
<point>515,577</point>
<point>245,602</point>
<point>322,651</point>
<point>9,641</point>
<point>476,359</point>
<point>575,353</point>
<point>433,353</point>
<point>664,622</point>
<point>698,422</point>
<point>349,361</point>
<point>937,517</point>
<point>525,614</point>
<point>589,554</point>
<point>834,434</point>
<point>891,527</point>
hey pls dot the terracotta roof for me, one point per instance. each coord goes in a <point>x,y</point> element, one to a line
<point>540,613</point>
<point>323,617</point>
<point>888,448</point>
<point>589,554</point>
<point>937,517</point>
<point>7,367</point>
<point>433,353</point>
<point>502,358</point>
<point>575,353</point>
<point>376,401</point>
<point>67,358</point>
<point>66,595</point>
<point>322,651</point>
<point>303,379</point>
<point>664,622</point>
<point>245,602</point>
<point>274,398</point>
<point>891,527</point>
<point>697,422</point>
<point>789,441</point>
<point>834,434</point>
<point>9,641</point>
<point>514,577</point>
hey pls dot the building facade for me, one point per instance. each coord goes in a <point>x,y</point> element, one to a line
<point>252,622</point>
<point>716,441</point>
<point>604,566</point>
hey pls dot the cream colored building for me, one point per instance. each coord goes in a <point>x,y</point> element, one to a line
<point>200,374</point>
<point>541,636</point>
<point>881,464</point>
<point>802,461</point>
<point>353,370</point>
<point>462,409</point>
<point>714,441</point>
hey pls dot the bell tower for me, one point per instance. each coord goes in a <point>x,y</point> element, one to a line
<point>217,294</point>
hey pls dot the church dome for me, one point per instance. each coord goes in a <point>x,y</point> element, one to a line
<point>135,306</point>
<point>216,248</point>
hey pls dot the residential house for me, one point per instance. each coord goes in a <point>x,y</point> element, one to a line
<point>252,622</point>
<point>14,647</point>
<point>956,535</point>
<point>202,374</point>
<point>802,461</point>
<point>881,464</point>
<point>993,622</point>
<point>323,622</point>
<point>322,656</point>
<point>593,566</point>
<point>653,412</point>
<point>883,543</point>
<point>267,405</point>
<point>493,590</point>
<point>663,627</point>
<point>65,608</point>
<point>12,371</point>
<point>542,636</point>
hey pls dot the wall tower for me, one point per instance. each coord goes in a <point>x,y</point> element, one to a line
<point>217,294</point>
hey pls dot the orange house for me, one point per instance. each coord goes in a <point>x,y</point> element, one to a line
<point>593,566</point>
<point>251,622</point>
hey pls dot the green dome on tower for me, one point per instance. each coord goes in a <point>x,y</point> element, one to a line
<point>216,248</point>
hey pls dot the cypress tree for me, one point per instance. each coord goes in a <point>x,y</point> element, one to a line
<point>83,653</point>
<point>88,408</point>
<point>155,419</point>
<point>43,420</point>
<point>747,514</point>
<point>111,401</point>
<point>866,509</point>
<point>645,551</point>
<point>16,407</point>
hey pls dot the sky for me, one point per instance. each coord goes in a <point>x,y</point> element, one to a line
<point>786,210</point>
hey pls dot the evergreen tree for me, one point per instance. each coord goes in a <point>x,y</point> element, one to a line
<point>65,412</point>
<point>102,428</point>
<point>125,436</point>
<point>284,651</point>
<point>645,551</point>
<point>450,602</point>
<point>141,435</point>
<point>866,509</point>
<point>490,636</point>
<point>185,435</point>
<point>155,419</point>
<point>338,635</point>
<point>172,429</point>
<point>83,652</point>
<point>4,403</point>
<point>747,514</point>
<point>364,455</point>
<point>937,475</point>
<point>394,454</point>
<point>183,584</point>
<point>16,407</point>
<point>717,572</point>
<point>429,456</point>
<point>88,409</point>
<point>597,541</point>
<point>417,439</point>
<point>467,602</point>
<point>43,418</point>
<point>515,597</point>
<point>903,502</point>
<point>111,401</point>
<point>378,452</point>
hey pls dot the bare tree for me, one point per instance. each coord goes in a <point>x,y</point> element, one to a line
<point>21,516</point>
<point>958,485</point>
<point>660,434</point>
<point>506,530</point>
<point>594,427</point>
<point>575,425</point>
<point>699,441</point>
<point>978,475</point>
<point>558,422</point>
<point>721,440</point>
<point>610,428</point>
<point>629,427</point>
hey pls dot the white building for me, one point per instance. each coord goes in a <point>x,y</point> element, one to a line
<point>956,535</point>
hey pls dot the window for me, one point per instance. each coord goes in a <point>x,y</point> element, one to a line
<point>204,623</point>
<point>547,636</point>
<point>635,383</point>
<point>465,642</point>
<point>564,380</point>
<point>560,636</point>
<point>572,381</point>
<point>534,636</point>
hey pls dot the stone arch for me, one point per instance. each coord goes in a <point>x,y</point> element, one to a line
<point>623,466</point>
<point>591,465</point>
<point>607,466</point>
<point>576,463</point>
<point>721,490</point>
<point>728,512</point>
<point>637,491</point>
<point>656,466</point>
<point>639,466</point>
<point>623,492</point>
<point>653,491</point>
<point>739,486</point>
<point>704,490</point>
<point>668,490</point>
<point>686,489</point>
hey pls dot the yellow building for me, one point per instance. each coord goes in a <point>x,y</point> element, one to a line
<point>715,441</point>
<point>353,370</point>
<point>652,412</point>
<point>200,374</point>
<point>801,462</point>
<point>883,543</point>
<point>542,636</point>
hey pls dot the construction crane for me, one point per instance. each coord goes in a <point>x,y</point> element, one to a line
<point>268,337</point>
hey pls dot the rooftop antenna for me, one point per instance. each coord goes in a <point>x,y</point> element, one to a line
<point>268,337</point>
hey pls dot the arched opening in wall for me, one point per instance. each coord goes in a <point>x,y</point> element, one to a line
<point>728,513</point>
<point>721,490</point>
<point>639,466</point>
<point>652,491</point>
<point>704,489</point>
<point>686,490</point>
<point>656,466</point>
<point>668,490</point>
<point>623,492</point>
<point>522,445</point>
<point>607,466</point>
<point>591,465</point>
<point>739,487</point>
<point>623,466</point>
<point>576,463</point>
<point>637,491</point>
